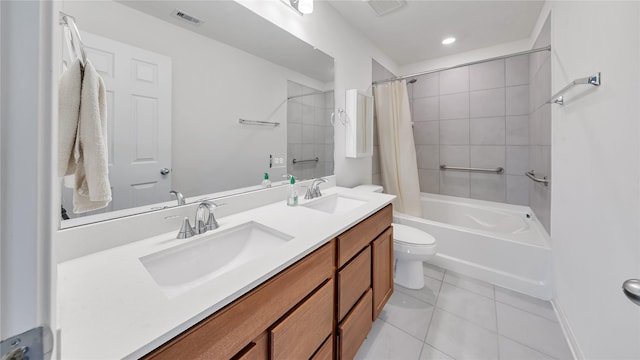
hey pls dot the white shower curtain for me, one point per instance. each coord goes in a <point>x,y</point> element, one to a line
<point>397,148</point>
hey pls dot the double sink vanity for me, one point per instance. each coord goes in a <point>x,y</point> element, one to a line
<point>272,282</point>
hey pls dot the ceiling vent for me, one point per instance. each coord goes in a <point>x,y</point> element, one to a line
<point>384,7</point>
<point>186,17</point>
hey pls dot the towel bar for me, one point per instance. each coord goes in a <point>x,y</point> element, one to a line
<point>309,160</point>
<point>498,170</point>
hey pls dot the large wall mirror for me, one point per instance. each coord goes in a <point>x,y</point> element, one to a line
<point>180,76</point>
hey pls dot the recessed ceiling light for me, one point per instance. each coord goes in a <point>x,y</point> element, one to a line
<point>448,41</point>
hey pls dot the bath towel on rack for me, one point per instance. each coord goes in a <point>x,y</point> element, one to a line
<point>92,188</point>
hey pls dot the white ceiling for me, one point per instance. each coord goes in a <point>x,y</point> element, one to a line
<point>235,25</point>
<point>414,33</point>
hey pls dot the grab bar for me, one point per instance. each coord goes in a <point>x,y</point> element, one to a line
<point>498,170</point>
<point>532,175</point>
<point>589,80</point>
<point>258,122</point>
<point>310,160</point>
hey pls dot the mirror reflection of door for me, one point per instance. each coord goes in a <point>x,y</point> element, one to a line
<point>138,84</point>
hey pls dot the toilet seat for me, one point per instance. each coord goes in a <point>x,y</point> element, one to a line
<point>410,236</point>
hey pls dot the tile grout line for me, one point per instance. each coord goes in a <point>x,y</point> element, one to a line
<point>467,320</point>
<point>495,305</point>
<point>431,320</point>
<point>527,311</point>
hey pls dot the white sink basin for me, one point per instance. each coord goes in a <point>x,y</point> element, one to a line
<point>184,267</point>
<point>335,204</point>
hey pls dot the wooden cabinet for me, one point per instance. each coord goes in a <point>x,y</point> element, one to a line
<point>355,327</point>
<point>382,270</point>
<point>355,239</point>
<point>229,331</point>
<point>320,308</point>
<point>353,280</point>
<point>256,350</point>
<point>304,330</point>
<point>365,279</point>
<point>326,350</point>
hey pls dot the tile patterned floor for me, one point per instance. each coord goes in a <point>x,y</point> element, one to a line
<point>457,317</point>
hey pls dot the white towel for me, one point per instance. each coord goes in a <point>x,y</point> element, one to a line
<point>69,87</point>
<point>92,188</point>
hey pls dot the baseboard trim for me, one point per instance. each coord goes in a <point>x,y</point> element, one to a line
<point>568,332</point>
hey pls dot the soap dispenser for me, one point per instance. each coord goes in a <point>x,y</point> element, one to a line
<point>292,197</point>
<point>266,183</point>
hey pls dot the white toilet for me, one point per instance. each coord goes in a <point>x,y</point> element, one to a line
<point>411,247</point>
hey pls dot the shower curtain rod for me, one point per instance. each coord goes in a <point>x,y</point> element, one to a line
<point>311,93</point>
<point>547,48</point>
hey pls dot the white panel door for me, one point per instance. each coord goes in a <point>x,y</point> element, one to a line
<point>138,86</point>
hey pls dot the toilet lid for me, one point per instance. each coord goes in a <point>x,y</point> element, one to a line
<point>412,236</point>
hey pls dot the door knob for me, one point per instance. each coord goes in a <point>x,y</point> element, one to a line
<point>631,288</point>
<point>165,171</point>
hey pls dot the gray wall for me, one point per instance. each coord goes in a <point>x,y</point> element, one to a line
<point>540,127</point>
<point>474,116</point>
<point>309,132</point>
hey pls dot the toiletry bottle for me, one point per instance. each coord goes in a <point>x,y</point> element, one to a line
<point>292,197</point>
<point>266,183</point>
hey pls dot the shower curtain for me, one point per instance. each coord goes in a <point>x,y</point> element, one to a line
<point>397,149</point>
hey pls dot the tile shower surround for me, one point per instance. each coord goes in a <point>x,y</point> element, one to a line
<point>309,132</point>
<point>474,116</point>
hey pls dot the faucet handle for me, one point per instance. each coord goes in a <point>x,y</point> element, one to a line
<point>186,230</point>
<point>211,223</point>
<point>309,194</point>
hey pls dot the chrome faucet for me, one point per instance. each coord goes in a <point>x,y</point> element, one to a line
<point>313,191</point>
<point>201,225</point>
<point>211,223</point>
<point>179,197</point>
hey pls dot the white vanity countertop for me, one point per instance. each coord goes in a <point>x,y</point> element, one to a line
<point>109,306</point>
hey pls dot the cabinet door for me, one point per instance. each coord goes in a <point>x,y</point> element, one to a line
<point>302,332</point>
<point>382,273</point>
<point>353,280</point>
<point>355,328</point>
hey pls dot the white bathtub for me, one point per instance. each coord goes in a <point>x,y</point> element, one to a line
<point>499,243</point>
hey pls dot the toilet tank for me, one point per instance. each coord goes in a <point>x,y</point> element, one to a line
<point>369,188</point>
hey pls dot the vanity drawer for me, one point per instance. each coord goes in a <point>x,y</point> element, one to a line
<point>257,350</point>
<point>353,280</point>
<point>227,332</point>
<point>302,332</point>
<point>326,351</point>
<point>355,327</point>
<point>355,239</point>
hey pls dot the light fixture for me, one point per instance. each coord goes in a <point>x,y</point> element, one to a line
<point>448,41</point>
<point>302,7</point>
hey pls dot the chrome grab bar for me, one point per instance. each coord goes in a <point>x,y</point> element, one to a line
<point>295,161</point>
<point>498,170</point>
<point>589,80</point>
<point>531,174</point>
<point>258,122</point>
